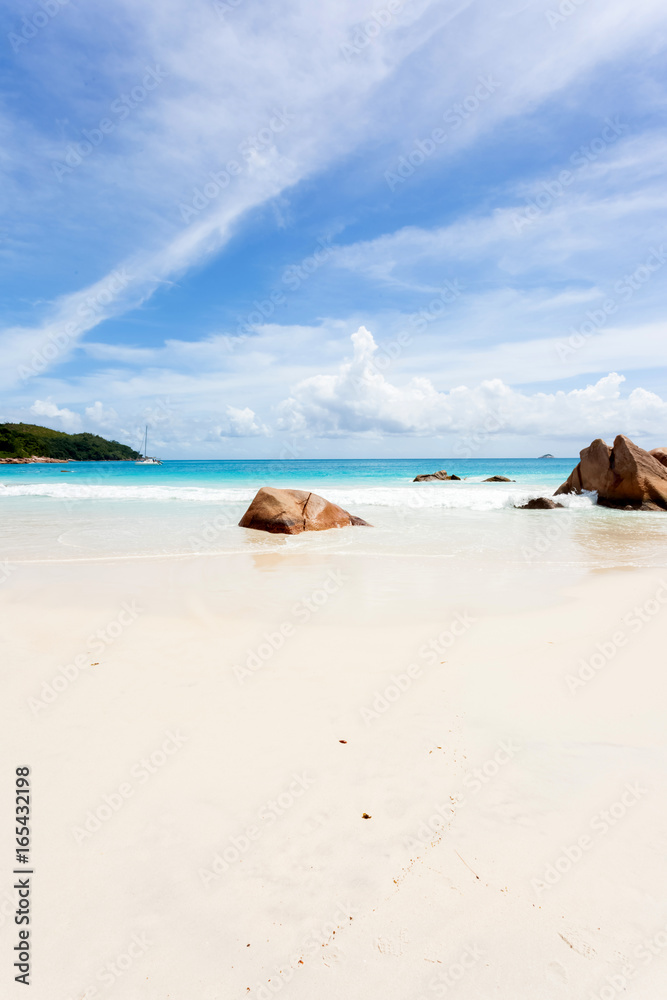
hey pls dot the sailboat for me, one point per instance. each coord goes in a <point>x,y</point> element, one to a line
<point>147,460</point>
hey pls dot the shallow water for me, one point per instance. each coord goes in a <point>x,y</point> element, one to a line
<point>117,510</point>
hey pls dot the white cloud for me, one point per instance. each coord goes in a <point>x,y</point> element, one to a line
<point>104,417</point>
<point>69,420</point>
<point>571,232</point>
<point>242,423</point>
<point>166,423</point>
<point>358,400</point>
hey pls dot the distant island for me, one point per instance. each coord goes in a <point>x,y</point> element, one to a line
<point>28,442</point>
<point>546,456</point>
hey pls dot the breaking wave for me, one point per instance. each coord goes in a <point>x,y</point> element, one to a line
<point>472,496</point>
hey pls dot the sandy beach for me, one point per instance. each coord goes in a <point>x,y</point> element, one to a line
<point>206,734</point>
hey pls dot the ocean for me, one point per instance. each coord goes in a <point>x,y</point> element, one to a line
<point>87,510</point>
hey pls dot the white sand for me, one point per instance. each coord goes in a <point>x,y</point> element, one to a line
<point>428,880</point>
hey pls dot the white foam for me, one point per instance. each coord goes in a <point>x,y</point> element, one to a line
<point>471,496</point>
<point>187,494</point>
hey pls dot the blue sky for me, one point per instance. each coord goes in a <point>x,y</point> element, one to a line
<point>336,229</point>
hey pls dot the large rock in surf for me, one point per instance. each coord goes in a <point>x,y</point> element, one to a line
<point>432,476</point>
<point>623,476</point>
<point>539,503</point>
<point>498,479</point>
<point>289,512</point>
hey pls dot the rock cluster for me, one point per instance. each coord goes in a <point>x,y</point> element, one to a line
<point>33,458</point>
<point>429,477</point>
<point>624,476</point>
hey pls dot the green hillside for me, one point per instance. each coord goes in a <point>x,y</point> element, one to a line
<point>24,440</point>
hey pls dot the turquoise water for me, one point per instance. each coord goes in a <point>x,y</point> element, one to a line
<point>119,510</point>
<point>340,473</point>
